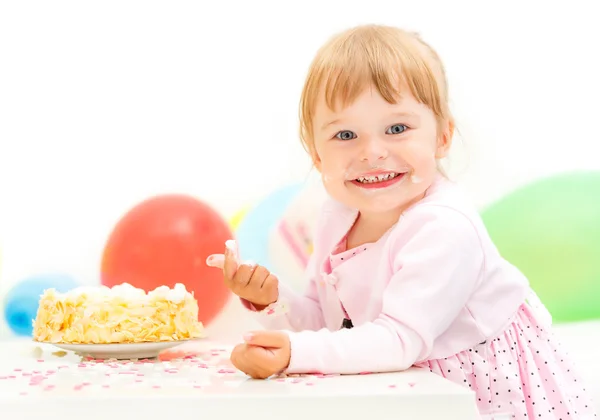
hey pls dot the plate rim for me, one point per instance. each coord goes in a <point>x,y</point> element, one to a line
<point>116,344</point>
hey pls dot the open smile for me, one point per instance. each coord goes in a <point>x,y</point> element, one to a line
<point>378,180</point>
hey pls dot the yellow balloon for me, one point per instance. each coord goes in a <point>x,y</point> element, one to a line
<point>237,218</point>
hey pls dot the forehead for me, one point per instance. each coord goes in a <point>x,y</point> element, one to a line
<point>369,103</point>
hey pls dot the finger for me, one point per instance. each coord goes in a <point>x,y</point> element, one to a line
<point>259,276</point>
<point>270,282</point>
<point>264,360</point>
<point>244,274</point>
<point>216,260</point>
<point>230,265</point>
<point>239,358</point>
<point>269,339</point>
<point>232,246</point>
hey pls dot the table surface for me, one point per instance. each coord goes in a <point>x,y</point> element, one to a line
<point>39,380</point>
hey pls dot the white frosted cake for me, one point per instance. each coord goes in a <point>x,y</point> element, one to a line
<point>121,314</point>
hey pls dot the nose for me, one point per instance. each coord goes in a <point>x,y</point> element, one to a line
<point>374,149</point>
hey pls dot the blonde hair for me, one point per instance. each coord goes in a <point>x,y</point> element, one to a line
<point>386,57</point>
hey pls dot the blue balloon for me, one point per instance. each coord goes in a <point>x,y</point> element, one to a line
<point>253,231</point>
<point>22,301</point>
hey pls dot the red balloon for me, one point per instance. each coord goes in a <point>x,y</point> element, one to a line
<point>165,240</point>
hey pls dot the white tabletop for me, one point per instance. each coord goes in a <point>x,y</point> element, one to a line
<point>44,382</point>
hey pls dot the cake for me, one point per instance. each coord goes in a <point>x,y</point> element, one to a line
<point>121,314</point>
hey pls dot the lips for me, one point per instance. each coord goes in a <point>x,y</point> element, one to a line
<point>371,179</point>
<point>378,180</point>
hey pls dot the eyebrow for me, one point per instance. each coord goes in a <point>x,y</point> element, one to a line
<point>395,114</point>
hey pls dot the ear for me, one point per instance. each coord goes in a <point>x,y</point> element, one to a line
<point>315,159</point>
<point>444,140</point>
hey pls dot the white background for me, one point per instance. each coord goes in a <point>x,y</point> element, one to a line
<point>103,104</point>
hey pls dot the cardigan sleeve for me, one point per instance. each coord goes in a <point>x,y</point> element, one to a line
<point>436,259</point>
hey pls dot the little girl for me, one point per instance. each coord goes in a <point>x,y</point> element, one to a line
<point>403,272</point>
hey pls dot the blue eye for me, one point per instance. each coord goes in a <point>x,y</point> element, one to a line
<point>346,135</point>
<point>396,129</point>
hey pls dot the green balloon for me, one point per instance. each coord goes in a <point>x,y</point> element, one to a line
<point>550,230</point>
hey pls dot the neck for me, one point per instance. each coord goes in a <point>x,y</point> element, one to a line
<point>371,226</point>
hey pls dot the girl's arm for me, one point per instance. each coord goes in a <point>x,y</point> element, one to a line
<point>435,272</point>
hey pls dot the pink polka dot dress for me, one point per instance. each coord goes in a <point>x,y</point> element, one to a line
<point>524,373</point>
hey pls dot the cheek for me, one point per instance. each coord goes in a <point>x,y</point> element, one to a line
<point>420,155</point>
<point>332,166</point>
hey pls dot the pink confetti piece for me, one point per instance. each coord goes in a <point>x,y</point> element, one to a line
<point>12,377</point>
<point>309,384</point>
<point>155,386</point>
<point>26,374</point>
<point>49,387</point>
<point>3,377</point>
<point>50,372</point>
<point>63,367</point>
<point>296,381</point>
<point>86,383</point>
<point>22,393</point>
<point>40,360</point>
<point>18,370</point>
<point>139,380</point>
<point>78,387</point>
<point>391,386</point>
<point>37,372</point>
<point>197,386</point>
<point>105,386</point>
<point>365,373</point>
<point>82,365</point>
<point>411,384</point>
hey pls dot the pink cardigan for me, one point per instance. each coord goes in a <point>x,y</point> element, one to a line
<point>434,285</point>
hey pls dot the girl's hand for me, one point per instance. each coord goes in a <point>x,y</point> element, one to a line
<point>249,281</point>
<point>264,354</point>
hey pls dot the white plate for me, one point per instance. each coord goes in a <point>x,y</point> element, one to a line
<point>120,351</point>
